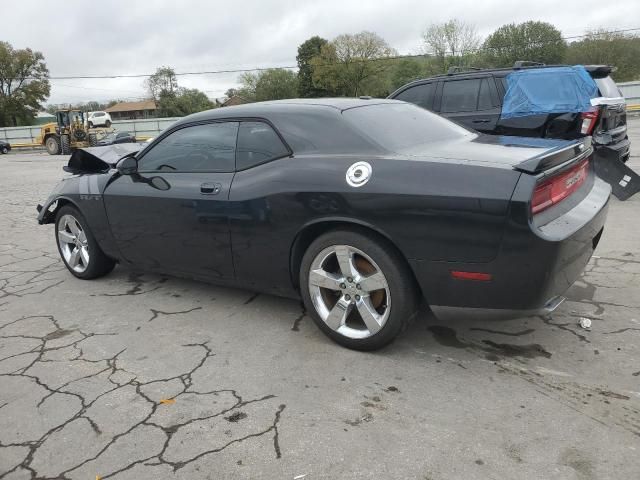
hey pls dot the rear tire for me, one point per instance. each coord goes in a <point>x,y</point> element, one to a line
<point>4,150</point>
<point>108,123</point>
<point>93,139</point>
<point>52,145</point>
<point>77,246</point>
<point>367,307</point>
<point>65,145</point>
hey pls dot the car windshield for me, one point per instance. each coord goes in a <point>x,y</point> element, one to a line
<point>403,128</point>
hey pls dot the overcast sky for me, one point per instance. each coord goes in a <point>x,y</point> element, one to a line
<point>135,37</point>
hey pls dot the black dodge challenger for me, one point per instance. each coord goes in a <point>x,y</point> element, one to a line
<point>362,207</point>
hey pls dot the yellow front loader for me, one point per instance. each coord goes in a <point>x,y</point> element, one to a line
<point>67,133</point>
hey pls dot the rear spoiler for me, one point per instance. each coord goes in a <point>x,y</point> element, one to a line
<point>576,150</point>
<point>598,71</point>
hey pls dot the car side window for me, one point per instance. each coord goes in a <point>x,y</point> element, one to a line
<point>460,96</point>
<point>421,95</point>
<point>209,147</point>
<point>258,143</point>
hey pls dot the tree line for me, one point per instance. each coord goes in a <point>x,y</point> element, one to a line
<point>347,65</point>
<point>365,64</point>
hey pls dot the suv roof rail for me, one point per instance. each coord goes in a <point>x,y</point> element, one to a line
<point>457,69</point>
<point>527,63</point>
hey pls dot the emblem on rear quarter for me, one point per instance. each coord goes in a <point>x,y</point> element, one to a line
<point>358,174</point>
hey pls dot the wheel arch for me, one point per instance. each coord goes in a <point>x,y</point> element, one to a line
<point>49,214</point>
<point>312,230</point>
<point>48,135</point>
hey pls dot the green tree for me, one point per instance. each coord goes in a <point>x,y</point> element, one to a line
<point>306,51</point>
<point>231,92</point>
<point>532,41</point>
<point>24,85</point>
<point>451,43</point>
<point>184,101</point>
<point>603,48</point>
<point>163,82</point>
<point>407,70</point>
<point>271,84</point>
<point>353,65</point>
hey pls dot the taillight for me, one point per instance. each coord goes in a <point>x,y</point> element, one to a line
<point>555,189</point>
<point>589,120</point>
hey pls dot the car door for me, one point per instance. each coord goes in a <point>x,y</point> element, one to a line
<point>172,215</point>
<point>472,102</point>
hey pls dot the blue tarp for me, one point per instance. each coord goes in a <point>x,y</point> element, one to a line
<point>548,90</point>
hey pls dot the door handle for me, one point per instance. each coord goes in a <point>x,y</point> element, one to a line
<point>210,188</point>
<point>481,120</point>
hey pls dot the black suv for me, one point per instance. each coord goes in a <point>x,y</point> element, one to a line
<point>474,99</point>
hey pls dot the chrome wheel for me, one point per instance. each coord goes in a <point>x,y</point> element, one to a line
<point>73,244</point>
<point>349,291</point>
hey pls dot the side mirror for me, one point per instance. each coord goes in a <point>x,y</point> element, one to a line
<point>127,166</point>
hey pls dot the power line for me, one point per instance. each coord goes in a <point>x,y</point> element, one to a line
<point>292,67</point>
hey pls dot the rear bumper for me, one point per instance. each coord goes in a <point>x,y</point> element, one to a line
<point>535,266</point>
<point>614,151</point>
<point>467,313</point>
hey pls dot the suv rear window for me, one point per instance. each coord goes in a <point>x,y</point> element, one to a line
<point>402,127</point>
<point>608,87</point>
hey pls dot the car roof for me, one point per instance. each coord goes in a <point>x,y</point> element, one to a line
<point>596,71</point>
<point>262,109</point>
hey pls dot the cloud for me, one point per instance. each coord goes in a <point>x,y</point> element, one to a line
<point>130,37</point>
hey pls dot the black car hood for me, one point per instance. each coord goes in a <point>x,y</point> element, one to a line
<point>99,159</point>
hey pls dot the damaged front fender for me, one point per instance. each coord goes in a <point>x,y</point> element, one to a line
<point>91,170</point>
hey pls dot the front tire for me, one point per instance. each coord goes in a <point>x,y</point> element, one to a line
<point>108,123</point>
<point>357,288</point>
<point>4,150</point>
<point>53,146</point>
<point>77,246</point>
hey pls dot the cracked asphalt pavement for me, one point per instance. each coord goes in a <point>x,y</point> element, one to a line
<point>139,376</point>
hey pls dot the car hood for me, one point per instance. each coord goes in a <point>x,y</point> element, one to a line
<point>99,159</point>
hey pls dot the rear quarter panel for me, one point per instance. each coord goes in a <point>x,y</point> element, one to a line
<point>431,210</point>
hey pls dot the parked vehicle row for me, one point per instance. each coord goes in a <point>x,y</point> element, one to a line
<point>363,208</point>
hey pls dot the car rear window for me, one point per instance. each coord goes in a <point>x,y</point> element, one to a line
<point>608,87</point>
<point>402,127</point>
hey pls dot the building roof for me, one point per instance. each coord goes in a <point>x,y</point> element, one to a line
<point>234,100</point>
<point>132,106</point>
